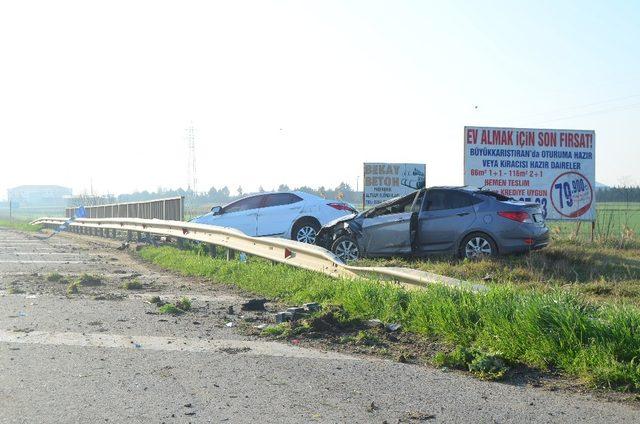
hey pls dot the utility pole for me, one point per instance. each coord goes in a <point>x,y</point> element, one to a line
<point>191,165</point>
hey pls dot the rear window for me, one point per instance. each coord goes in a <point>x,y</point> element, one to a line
<point>495,195</point>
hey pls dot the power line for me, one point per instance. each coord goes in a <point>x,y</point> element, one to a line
<point>570,108</point>
<point>596,112</point>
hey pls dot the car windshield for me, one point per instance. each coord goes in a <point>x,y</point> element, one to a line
<point>399,205</point>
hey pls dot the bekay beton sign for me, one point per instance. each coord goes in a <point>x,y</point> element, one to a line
<point>384,181</point>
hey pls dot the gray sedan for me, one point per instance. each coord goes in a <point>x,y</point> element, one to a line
<point>470,223</point>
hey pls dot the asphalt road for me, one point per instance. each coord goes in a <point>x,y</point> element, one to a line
<point>106,355</point>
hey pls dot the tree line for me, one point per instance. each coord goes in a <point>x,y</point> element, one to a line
<point>625,194</point>
<point>223,195</point>
<point>343,191</point>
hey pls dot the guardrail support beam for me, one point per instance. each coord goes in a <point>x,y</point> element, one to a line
<point>213,250</point>
<point>231,254</point>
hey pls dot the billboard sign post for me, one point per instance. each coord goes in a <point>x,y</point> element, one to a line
<point>384,181</point>
<point>555,168</point>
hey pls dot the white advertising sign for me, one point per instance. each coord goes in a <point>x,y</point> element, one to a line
<point>384,181</point>
<point>555,168</point>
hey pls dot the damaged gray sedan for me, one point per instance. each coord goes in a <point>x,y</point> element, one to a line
<point>467,222</point>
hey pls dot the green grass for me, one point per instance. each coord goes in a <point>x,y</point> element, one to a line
<point>596,271</point>
<point>170,309</point>
<point>617,225</point>
<point>18,224</point>
<point>547,330</point>
<point>184,304</point>
<point>134,284</point>
<point>73,288</point>
<point>55,277</point>
<point>90,280</point>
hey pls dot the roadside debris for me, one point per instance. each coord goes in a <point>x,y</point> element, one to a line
<point>156,300</point>
<point>416,416</point>
<point>374,323</point>
<point>295,313</point>
<point>181,306</point>
<point>253,305</point>
<point>90,280</point>
<point>312,307</point>
<point>392,327</point>
<point>123,246</point>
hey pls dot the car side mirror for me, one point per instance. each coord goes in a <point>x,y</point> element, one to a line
<point>216,210</point>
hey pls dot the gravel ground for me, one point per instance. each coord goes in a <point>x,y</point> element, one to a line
<point>106,354</point>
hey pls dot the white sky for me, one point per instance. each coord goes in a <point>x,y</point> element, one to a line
<point>301,92</point>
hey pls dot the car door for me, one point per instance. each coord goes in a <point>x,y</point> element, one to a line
<point>242,215</point>
<point>444,217</point>
<point>389,232</point>
<point>278,212</point>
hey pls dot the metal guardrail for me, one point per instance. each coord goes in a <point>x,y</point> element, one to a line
<point>171,208</point>
<point>280,250</point>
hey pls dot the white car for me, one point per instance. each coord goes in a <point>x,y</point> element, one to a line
<point>295,215</point>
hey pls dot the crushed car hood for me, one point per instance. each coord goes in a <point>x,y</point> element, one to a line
<point>341,219</point>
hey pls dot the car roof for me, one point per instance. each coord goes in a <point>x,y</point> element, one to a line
<point>301,194</point>
<point>463,188</point>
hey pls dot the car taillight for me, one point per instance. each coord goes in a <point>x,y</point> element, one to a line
<point>519,216</point>
<point>341,207</point>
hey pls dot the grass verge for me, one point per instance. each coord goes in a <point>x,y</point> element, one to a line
<point>545,330</point>
<point>597,272</point>
<point>17,224</point>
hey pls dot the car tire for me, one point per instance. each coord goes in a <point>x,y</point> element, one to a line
<point>477,246</point>
<point>305,231</point>
<point>346,248</point>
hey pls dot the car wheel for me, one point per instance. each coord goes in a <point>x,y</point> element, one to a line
<point>305,231</point>
<point>346,248</point>
<point>478,246</point>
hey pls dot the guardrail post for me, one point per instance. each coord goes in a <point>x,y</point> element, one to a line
<point>180,242</point>
<point>114,233</point>
<point>129,235</point>
<point>212,250</point>
<point>138,236</point>
<point>231,254</point>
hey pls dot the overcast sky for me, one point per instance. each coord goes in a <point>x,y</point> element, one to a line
<point>303,92</point>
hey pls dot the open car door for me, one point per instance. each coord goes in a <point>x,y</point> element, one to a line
<point>389,229</point>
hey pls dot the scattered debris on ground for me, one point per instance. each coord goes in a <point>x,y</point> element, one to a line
<point>134,284</point>
<point>90,280</point>
<point>180,307</point>
<point>254,305</point>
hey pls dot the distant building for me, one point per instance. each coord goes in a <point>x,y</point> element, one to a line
<point>39,195</point>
